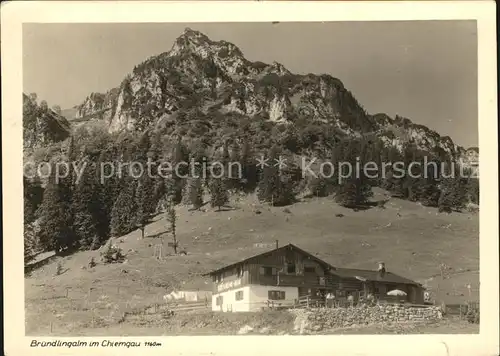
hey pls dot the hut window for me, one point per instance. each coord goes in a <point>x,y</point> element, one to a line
<point>275,295</point>
<point>309,269</point>
<point>219,300</point>
<point>290,268</point>
<point>239,295</point>
<point>267,271</point>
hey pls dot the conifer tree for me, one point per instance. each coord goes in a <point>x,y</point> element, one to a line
<point>145,201</point>
<point>30,243</point>
<point>354,190</point>
<point>428,183</point>
<point>180,159</point>
<point>473,190</point>
<point>453,193</point>
<point>225,153</point>
<point>233,167</point>
<point>318,186</point>
<point>445,202</point>
<point>276,185</point>
<point>269,181</point>
<point>172,220</point>
<point>195,186</point>
<point>394,175</point>
<point>33,195</point>
<point>218,192</point>
<point>87,209</point>
<point>55,218</point>
<point>123,215</point>
<point>248,168</point>
<point>195,192</point>
<point>110,184</point>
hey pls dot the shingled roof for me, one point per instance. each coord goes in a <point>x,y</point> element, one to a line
<point>360,274</point>
<point>267,253</point>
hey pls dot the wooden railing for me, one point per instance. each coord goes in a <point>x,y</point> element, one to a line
<point>313,281</point>
<point>309,301</point>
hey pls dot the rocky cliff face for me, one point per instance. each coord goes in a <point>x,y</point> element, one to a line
<point>41,125</point>
<point>214,76</point>
<point>97,106</point>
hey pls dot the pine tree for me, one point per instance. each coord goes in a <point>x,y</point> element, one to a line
<point>33,195</point>
<point>269,181</point>
<point>473,190</point>
<point>233,167</point>
<point>248,168</point>
<point>172,220</point>
<point>145,201</point>
<point>142,148</point>
<point>318,186</point>
<point>275,186</point>
<point>194,188</point>
<point>110,185</point>
<point>55,218</point>
<point>218,193</point>
<point>195,192</point>
<point>283,193</point>
<point>30,243</point>
<point>123,215</point>
<point>394,178</point>
<point>87,209</point>
<point>180,158</point>
<point>445,202</point>
<point>429,184</point>
<point>453,193</point>
<point>355,189</point>
<point>225,153</point>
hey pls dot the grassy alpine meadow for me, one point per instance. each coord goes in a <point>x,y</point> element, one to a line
<point>439,250</point>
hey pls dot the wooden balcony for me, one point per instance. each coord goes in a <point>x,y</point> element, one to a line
<point>303,280</point>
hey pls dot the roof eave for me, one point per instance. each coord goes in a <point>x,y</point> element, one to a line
<point>320,261</point>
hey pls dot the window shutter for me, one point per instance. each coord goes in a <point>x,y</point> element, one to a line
<point>274,270</point>
<point>262,270</point>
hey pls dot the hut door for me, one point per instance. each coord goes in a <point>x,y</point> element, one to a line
<point>303,292</point>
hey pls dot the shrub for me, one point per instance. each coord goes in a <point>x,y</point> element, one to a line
<point>59,269</point>
<point>472,315</point>
<point>112,254</point>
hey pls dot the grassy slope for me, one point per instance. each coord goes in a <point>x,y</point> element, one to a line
<point>413,245</point>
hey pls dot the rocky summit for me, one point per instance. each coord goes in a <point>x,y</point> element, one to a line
<point>202,77</point>
<point>42,125</point>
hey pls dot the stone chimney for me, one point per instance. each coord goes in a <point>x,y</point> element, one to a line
<point>381,269</point>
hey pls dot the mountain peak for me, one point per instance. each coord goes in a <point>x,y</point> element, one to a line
<point>195,41</point>
<point>191,38</point>
<point>193,35</point>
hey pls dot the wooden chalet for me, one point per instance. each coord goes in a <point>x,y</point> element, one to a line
<point>286,274</point>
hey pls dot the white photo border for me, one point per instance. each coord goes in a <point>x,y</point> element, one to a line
<point>14,14</point>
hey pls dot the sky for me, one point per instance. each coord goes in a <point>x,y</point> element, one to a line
<point>423,70</point>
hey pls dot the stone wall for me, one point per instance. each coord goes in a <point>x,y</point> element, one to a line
<point>314,320</point>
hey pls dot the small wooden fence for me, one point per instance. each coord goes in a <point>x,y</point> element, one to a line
<point>309,301</point>
<point>316,302</point>
<point>462,310</point>
<point>176,307</point>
